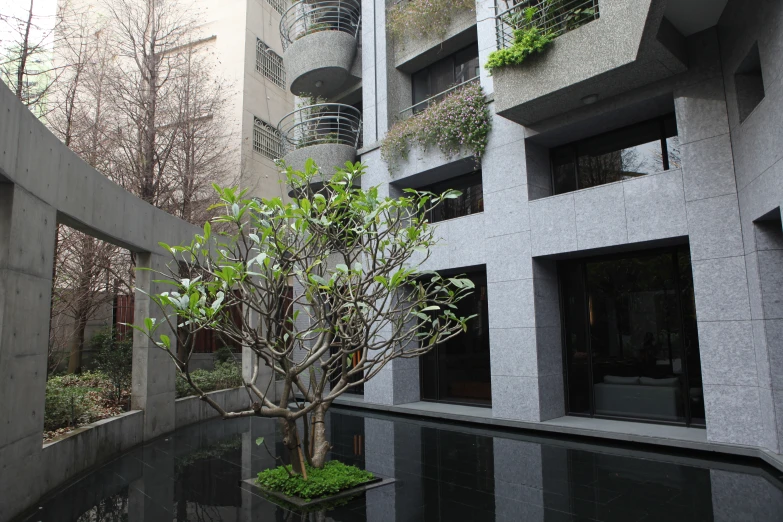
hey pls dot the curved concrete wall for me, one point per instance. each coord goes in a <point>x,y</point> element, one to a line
<point>326,155</point>
<point>326,57</point>
<point>43,183</point>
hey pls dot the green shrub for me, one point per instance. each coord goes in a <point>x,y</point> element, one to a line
<point>114,359</point>
<point>460,120</point>
<point>224,354</point>
<point>225,375</point>
<point>73,400</point>
<point>333,478</point>
<point>526,42</point>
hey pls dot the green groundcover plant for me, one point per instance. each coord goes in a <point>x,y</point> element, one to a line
<point>333,478</point>
<point>460,121</point>
<point>420,18</point>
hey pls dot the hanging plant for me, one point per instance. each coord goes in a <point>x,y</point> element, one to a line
<point>421,18</point>
<point>528,39</point>
<point>460,121</point>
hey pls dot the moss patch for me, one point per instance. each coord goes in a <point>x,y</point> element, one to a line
<point>332,479</point>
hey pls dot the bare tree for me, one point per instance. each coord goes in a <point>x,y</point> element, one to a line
<point>25,64</point>
<point>329,294</point>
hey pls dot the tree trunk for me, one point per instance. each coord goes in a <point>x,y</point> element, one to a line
<point>319,443</point>
<point>291,442</point>
<point>77,344</point>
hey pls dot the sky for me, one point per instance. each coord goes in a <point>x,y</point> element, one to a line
<point>43,16</point>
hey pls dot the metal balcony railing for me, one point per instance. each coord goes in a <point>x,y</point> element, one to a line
<point>319,124</point>
<point>309,17</point>
<point>419,107</point>
<point>555,17</point>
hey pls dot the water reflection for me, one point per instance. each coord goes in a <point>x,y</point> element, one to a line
<point>443,472</point>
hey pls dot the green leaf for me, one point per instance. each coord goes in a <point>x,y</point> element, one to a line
<point>431,308</point>
<point>259,441</point>
<point>166,341</point>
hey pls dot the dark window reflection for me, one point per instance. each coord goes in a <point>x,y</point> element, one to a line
<point>442,75</point>
<point>627,153</point>
<point>458,370</point>
<point>470,202</point>
<point>630,337</point>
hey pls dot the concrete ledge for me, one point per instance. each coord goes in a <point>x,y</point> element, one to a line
<point>425,166</point>
<point>622,431</point>
<point>89,446</point>
<point>190,410</point>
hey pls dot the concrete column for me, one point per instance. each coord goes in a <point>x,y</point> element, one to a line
<point>153,370</point>
<point>27,233</point>
<point>728,362</point>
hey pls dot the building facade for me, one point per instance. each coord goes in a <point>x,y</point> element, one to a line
<point>623,225</point>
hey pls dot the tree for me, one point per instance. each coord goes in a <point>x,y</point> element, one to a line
<point>24,64</point>
<point>318,280</point>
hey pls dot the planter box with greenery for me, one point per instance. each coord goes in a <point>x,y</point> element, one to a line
<point>322,488</point>
<point>457,124</point>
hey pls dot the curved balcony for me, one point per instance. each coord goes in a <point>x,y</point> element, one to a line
<point>329,133</point>
<point>320,40</point>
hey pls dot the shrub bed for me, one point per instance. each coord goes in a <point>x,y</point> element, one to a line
<point>332,479</point>
<point>460,120</point>
<point>225,375</point>
<point>75,400</point>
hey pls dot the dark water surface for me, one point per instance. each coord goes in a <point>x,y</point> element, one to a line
<point>444,472</point>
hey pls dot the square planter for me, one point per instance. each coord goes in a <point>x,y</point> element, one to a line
<point>308,505</point>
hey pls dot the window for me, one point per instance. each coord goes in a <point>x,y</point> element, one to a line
<point>749,83</point>
<point>470,202</point>
<point>270,64</point>
<point>458,370</point>
<point>267,140</point>
<point>456,69</point>
<point>644,148</point>
<point>279,5</point>
<point>630,340</point>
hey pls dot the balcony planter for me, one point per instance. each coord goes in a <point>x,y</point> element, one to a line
<point>423,31</point>
<point>329,133</point>
<point>319,41</point>
<point>622,45</point>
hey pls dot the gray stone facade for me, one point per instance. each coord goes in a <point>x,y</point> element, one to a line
<point>722,199</point>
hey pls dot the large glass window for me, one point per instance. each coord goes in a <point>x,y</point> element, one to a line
<point>458,370</point>
<point>630,152</point>
<point>455,69</point>
<point>470,202</point>
<point>630,340</point>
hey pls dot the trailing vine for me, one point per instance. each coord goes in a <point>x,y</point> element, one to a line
<point>460,121</point>
<point>420,18</point>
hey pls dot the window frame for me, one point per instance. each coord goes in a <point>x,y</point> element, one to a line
<point>573,148</point>
<point>453,58</point>
<point>471,179</point>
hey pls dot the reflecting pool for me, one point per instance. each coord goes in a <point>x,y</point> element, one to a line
<point>443,472</point>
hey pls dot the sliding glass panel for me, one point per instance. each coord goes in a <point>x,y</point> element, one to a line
<point>694,393</point>
<point>636,337</point>
<point>575,338</point>
<point>459,369</point>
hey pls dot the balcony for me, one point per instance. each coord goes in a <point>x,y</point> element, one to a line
<point>320,41</point>
<point>601,48</point>
<point>329,133</point>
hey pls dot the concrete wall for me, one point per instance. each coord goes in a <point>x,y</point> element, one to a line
<point>43,183</point>
<point>190,410</point>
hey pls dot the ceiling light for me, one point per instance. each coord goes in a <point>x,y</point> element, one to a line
<point>590,98</point>
<point>319,83</point>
